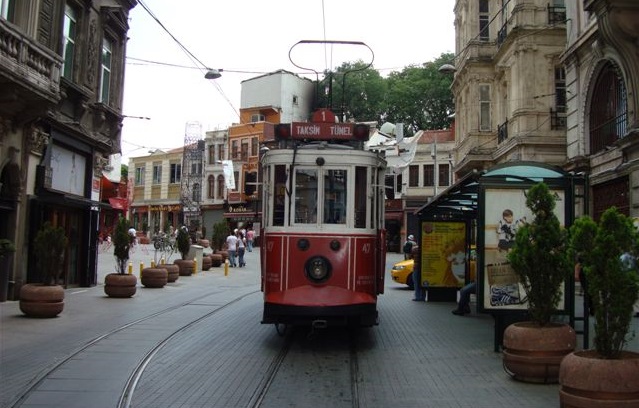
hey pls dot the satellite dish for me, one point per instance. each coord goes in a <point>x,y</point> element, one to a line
<point>388,129</point>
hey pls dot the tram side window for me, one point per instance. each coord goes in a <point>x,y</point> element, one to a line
<point>335,196</point>
<point>279,194</point>
<point>305,196</point>
<point>360,197</point>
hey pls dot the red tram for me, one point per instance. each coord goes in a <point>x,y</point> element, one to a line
<point>322,252</point>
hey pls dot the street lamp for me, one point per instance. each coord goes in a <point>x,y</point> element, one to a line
<point>447,69</point>
<point>213,73</point>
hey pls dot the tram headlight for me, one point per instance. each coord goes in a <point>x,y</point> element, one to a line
<point>318,269</point>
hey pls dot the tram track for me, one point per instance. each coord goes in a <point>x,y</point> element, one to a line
<point>129,389</point>
<point>277,367</point>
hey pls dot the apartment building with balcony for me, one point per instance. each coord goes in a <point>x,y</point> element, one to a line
<point>509,83</point>
<point>62,77</point>
<point>272,98</point>
<point>602,80</point>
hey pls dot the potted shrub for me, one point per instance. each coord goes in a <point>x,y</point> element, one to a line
<point>183,242</point>
<point>120,284</point>
<point>608,251</point>
<point>218,238</point>
<point>46,298</point>
<point>534,349</point>
<point>165,245</point>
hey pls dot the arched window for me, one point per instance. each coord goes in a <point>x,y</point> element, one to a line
<point>220,186</point>
<point>608,114</point>
<point>211,187</point>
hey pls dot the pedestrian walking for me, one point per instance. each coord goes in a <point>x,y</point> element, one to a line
<point>241,248</point>
<point>250,236</point>
<point>231,243</point>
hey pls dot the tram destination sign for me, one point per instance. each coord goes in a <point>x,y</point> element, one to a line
<point>322,131</point>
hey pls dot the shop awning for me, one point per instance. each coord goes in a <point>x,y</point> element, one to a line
<point>118,203</point>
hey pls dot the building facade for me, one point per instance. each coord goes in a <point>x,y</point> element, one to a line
<point>509,83</point>
<point>155,186</point>
<point>62,77</point>
<point>602,81</point>
<point>272,98</point>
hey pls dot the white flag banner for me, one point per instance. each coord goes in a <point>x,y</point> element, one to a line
<point>229,175</point>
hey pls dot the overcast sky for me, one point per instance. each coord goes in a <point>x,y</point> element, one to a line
<point>247,38</point>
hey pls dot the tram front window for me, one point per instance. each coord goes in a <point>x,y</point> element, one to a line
<point>305,196</point>
<point>335,196</point>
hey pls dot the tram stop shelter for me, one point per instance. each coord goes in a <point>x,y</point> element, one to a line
<point>466,231</point>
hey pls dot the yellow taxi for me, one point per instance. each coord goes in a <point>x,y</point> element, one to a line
<point>402,272</point>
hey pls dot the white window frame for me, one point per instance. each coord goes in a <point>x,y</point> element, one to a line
<point>69,33</point>
<point>157,173</point>
<point>106,62</point>
<point>484,108</point>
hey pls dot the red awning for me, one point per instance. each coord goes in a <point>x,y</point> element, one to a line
<point>118,203</point>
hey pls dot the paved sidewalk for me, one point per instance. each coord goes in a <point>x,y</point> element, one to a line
<point>424,339</point>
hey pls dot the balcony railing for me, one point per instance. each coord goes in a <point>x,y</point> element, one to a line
<point>24,60</point>
<point>557,120</point>
<point>501,35</point>
<point>605,134</point>
<point>502,132</point>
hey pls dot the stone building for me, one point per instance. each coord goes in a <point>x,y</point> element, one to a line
<point>602,82</point>
<point>62,76</point>
<point>509,83</point>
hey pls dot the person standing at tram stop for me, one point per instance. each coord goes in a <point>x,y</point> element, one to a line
<point>231,243</point>
<point>408,247</point>
<point>241,248</point>
<point>420,293</point>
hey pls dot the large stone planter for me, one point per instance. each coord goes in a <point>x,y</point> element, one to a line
<point>533,353</point>
<point>154,277</point>
<point>120,285</point>
<point>186,266</point>
<point>206,262</point>
<point>38,300</point>
<point>589,381</point>
<point>172,270</point>
<point>216,260</point>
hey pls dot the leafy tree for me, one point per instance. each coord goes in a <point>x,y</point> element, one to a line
<point>354,91</point>
<point>121,245</point>
<point>608,251</point>
<point>420,97</point>
<point>538,255</point>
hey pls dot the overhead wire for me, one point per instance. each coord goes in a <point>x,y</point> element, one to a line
<point>203,67</point>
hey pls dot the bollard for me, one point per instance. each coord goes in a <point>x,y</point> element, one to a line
<point>195,266</point>
<point>130,268</point>
<point>162,261</point>
<point>141,268</point>
<point>226,267</point>
<point>152,264</point>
